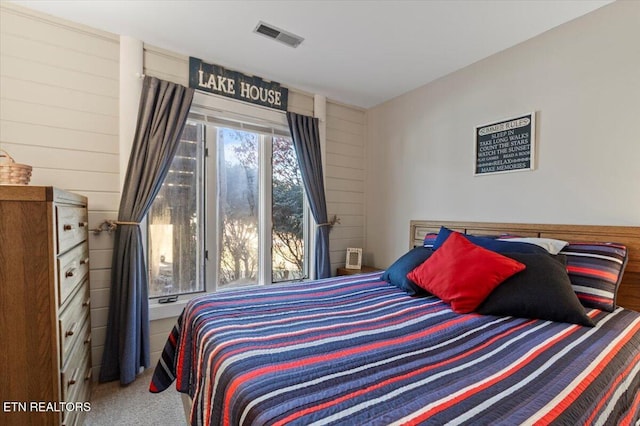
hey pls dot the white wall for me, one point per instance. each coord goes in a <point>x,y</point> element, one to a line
<point>583,78</point>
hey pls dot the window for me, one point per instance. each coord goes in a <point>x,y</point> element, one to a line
<point>231,212</point>
<point>176,244</point>
<point>238,203</point>
<point>288,213</point>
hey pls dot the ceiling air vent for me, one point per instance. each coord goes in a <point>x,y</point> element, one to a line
<point>275,33</point>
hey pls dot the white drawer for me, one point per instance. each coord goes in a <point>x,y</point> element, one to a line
<point>73,266</point>
<point>72,224</point>
<point>72,321</point>
<point>75,375</point>
<point>80,392</point>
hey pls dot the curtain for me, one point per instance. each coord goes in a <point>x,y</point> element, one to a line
<point>161,118</point>
<point>306,141</point>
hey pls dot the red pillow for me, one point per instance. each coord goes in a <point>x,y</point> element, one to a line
<point>462,273</point>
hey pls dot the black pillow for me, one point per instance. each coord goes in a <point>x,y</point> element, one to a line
<point>542,291</point>
<point>396,274</point>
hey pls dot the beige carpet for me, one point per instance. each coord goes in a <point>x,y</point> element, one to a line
<point>112,404</point>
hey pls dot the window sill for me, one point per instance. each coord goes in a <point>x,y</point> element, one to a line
<point>159,311</point>
<point>166,310</point>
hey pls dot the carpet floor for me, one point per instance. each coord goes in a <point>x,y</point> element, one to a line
<point>112,404</point>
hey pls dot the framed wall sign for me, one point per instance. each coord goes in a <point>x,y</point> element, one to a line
<point>233,84</point>
<point>505,146</point>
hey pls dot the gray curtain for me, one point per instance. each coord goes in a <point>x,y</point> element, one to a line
<point>161,118</point>
<point>306,140</point>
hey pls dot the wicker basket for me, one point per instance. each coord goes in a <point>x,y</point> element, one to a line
<point>12,173</point>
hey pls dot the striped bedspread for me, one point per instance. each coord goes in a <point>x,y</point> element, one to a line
<point>356,350</point>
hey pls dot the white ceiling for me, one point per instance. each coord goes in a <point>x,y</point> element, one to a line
<point>357,52</point>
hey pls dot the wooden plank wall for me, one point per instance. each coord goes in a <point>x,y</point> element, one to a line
<point>345,158</point>
<point>59,113</point>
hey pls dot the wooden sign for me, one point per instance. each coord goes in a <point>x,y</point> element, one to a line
<point>232,84</point>
<point>505,146</point>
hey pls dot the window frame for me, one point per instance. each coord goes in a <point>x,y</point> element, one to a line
<point>201,208</point>
<point>224,109</point>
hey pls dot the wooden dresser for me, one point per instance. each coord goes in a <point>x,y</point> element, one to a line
<point>45,329</point>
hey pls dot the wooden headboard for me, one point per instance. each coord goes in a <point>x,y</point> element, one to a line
<point>629,292</point>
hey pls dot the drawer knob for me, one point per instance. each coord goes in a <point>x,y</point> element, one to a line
<point>67,227</point>
<point>83,224</point>
<point>69,273</point>
<point>87,302</point>
<point>84,261</point>
<point>74,378</point>
<point>72,330</point>
<point>87,340</point>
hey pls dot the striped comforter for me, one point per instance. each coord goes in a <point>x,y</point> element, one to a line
<point>356,350</point>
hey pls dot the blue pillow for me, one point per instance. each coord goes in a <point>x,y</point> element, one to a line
<point>491,243</point>
<point>396,274</point>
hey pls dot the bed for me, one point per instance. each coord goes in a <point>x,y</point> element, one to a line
<point>359,350</point>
